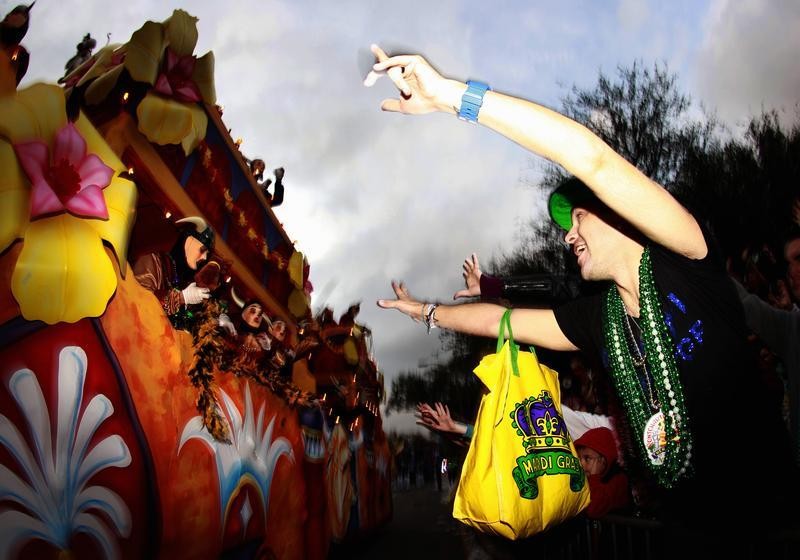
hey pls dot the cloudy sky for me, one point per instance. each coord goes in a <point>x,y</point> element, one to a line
<point>373,196</point>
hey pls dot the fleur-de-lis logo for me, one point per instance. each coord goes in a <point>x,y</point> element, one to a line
<point>53,493</point>
<point>547,424</point>
<point>252,453</point>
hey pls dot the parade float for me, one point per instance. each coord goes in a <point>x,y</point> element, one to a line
<point>125,431</point>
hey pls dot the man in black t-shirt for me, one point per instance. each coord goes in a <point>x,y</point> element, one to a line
<point>669,325</point>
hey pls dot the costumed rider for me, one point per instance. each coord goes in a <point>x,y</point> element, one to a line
<point>170,276</point>
<point>280,353</point>
<point>248,340</point>
<point>251,350</point>
<point>257,336</point>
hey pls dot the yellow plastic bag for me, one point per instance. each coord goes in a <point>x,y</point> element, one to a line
<point>521,474</point>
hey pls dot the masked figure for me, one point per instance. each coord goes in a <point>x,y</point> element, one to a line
<point>255,348</point>
<point>170,276</point>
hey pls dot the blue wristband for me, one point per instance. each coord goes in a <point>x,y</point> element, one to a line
<point>472,100</point>
<point>470,430</point>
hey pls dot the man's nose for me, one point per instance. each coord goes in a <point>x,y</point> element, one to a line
<point>571,235</point>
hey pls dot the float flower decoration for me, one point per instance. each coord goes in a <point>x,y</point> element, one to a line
<point>101,73</point>
<point>53,490</point>
<point>160,55</point>
<point>61,192</point>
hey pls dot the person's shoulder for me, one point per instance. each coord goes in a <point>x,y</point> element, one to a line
<point>587,299</point>
<point>146,261</point>
<point>710,266</point>
<point>587,305</point>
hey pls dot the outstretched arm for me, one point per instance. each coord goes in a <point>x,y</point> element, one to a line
<point>531,326</point>
<point>437,417</point>
<point>615,181</point>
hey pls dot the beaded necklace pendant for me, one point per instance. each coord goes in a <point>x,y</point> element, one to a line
<point>655,439</point>
<point>665,440</point>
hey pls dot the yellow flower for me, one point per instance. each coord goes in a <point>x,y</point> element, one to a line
<point>160,54</point>
<point>103,74</point>
<point>63,272</point>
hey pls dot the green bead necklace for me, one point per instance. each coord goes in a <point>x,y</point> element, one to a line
<point>665,441</point>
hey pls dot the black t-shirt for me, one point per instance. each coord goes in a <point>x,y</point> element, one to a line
<point>739,444</point>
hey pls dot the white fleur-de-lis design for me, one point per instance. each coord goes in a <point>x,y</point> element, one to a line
<point>54,492</point>
<point>251,453</point>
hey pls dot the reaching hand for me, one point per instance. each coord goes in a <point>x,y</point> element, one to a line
<point>472,278</point>
<point>422,89</point>
<point>404,302</point>
<point>226,323</point>
<point>193,295</point>
<point>437,418</point>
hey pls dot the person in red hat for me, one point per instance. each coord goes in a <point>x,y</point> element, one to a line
<point>608,483</point>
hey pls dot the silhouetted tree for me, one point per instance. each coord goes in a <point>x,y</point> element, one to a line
<point>744,188</point>
<point>644,118</point>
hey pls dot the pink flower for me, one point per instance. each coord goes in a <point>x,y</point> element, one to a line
<point>176,79</point>
<point>72,181</point>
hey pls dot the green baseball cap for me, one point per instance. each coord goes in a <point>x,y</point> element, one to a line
<point>569,194</point>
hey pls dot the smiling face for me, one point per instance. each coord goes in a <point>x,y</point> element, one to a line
<point>604,244</point>
<point>196,252</point>
<point>589,239</point>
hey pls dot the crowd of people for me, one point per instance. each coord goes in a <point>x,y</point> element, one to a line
<point>668,327</point>
<point>767,280</point>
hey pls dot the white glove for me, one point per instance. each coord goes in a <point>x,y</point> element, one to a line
<point>193,295</point>
<point>226,323</point>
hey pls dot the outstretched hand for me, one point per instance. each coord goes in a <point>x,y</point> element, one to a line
<point>422,89</point>
<point>436,418</point>
<point>472,278</point>
<point>404,302</point>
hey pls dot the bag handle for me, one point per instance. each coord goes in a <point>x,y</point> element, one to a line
<point>505,323</point>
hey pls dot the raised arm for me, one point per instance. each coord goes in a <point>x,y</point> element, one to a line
<point>531,326</point>
<point>619,184</point>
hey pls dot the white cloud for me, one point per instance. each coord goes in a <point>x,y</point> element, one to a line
<point>632,13</point>
<point>749,58</point>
